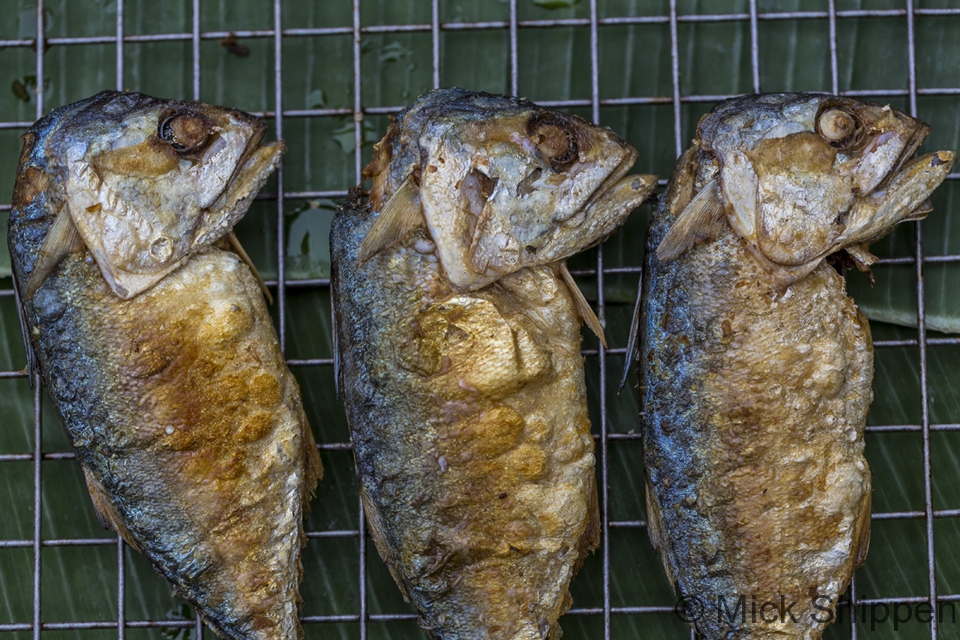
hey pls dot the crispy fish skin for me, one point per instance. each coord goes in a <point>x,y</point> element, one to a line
<point>467,406</point>
<point>471,436</point>
<point>755,365</point>
<point>177,401</point>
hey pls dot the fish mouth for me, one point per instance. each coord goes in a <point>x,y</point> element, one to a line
<point>917,136</point>
<point>618,194</point>
<point>902,196</point>
<point>256,163</point>
<point>253,143</point>
<point>913,172</point>
<point>914,179</point>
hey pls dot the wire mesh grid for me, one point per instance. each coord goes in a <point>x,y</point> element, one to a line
<point>594,24</point>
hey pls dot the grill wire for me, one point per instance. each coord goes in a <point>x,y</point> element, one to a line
<point>595,358</point>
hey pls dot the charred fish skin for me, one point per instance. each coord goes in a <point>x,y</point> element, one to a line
<point>466,401</point>
<point>755,365</point>
<point>183,415</point>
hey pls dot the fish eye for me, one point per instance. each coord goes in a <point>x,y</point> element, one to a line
<point>556,141</point>
<point>185,132</point>
<point>836,125</point>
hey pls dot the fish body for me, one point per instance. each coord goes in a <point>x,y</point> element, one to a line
<point>157,349</point>
<point>465,393</point>
<point>755,365</point>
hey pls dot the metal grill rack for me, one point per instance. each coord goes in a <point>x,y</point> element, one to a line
<point>593,24</point>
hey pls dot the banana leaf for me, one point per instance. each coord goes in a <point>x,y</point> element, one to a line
<point>80,583</point>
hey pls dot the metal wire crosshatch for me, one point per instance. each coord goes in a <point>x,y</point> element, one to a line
<point>593,25</point>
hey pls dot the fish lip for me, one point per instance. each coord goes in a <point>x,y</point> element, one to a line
<point>253,144</point>
<point>247,159</point>
<point>917,210</point>
<point>919,134</point>
<point>932,159</point>
<point>614,178</point>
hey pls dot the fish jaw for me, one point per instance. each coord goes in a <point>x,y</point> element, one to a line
<point>505,184</point>
<point>151,182</point>
<point>902,198</point>
<point>233,203</point>
<point>513,237</point>
<point>797,186</point>
<point>604,213</point>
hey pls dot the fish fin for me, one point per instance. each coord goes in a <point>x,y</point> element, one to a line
<point>105,511</point>
<point>700,220</point>
<point>401,215</point>
<point>312,467</point>
<point>238,249</point>
<point>590,539</point>
<point>109,275</point>
<point>861,534</point>
<point>861,256</point>
<point>377,530</point>
<point>337,383</point>
<point>655,530</point>
<point>583,307</point>
<point>921,211</point>
<point>62,239</point>
<point>631,355</point>
<point>32,366</point>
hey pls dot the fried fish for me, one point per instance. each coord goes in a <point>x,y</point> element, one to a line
<point>756,366</point>
<point>458,338</point>
<point>157,349</point>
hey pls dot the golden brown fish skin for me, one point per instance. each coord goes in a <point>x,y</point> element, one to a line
<point>756,378</point>
<point>465,397</point>
<point>179,405</point>
<point>470,427</point>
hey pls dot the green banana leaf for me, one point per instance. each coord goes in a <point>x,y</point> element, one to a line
<point>80,583</point>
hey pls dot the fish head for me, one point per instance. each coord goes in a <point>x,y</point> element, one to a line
<point>805,175</point>
<point>149,182</point>
<point>506,184</point>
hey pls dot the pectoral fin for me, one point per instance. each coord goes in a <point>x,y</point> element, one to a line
<point>700,220</point>
<point>401,215</point>
<point>337,383</point>
<point>655,531</point>
<point>631,354</point>
<point>238,249</point>
<point>32,367</point>
<point>862,257</point>
<point>861,533</point>
<point>104,509</point>
<point>583,307</point>
<point>62,239</point>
